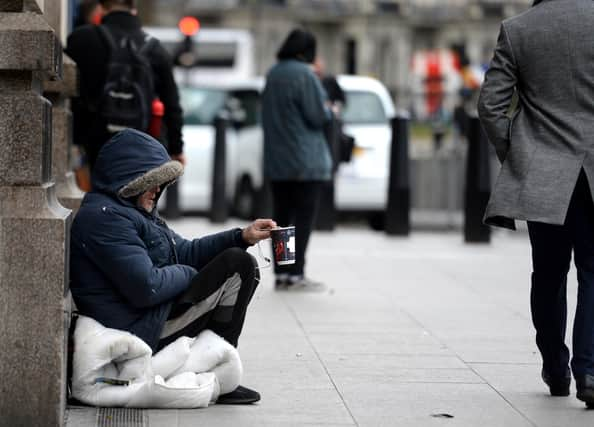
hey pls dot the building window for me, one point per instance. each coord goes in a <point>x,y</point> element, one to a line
<point>493,11</point>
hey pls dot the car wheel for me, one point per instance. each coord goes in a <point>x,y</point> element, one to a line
<point>377,221</point>
<point>245,199</point>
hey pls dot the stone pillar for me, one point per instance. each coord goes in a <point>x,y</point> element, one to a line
<point>58,92</point>
<point>34,227</point>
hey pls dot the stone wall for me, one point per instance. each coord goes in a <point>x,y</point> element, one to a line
<point>34,227</point>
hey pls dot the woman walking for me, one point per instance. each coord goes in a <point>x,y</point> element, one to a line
<point>296,156</point>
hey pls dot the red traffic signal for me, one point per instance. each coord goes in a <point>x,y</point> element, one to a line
<point>189,25</point>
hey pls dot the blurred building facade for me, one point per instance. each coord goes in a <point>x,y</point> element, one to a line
<point>369,37</point>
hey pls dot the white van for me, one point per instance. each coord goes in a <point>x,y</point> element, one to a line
<point>223,75</point>
<point>223,55</point>
<point>361,184</point>
<point>201,104</point>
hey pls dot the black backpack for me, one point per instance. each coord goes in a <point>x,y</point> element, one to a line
<point>129,89</point>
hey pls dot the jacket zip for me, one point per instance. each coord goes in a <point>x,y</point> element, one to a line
<point>170,238</point>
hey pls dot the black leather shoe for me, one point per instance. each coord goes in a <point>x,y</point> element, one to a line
<point>585,389</point>
<point>240,396</point>
<point>557,386</point>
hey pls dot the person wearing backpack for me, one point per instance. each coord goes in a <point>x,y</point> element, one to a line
<point>124,75</point>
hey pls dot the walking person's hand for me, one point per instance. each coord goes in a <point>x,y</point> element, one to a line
<point>257,230</point>
<point>180,158</point>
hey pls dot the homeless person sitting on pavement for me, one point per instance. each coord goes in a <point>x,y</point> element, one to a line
<point>139,285</point>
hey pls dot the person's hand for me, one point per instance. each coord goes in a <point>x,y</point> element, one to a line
<point>180,158</point>
<point>336,108</point>
<point>257,230</point>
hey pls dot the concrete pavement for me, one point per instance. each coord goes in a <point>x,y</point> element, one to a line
<point>418,331</point>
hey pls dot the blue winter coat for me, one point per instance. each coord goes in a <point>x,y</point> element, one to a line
<point>293,118</point>
<point>126,265</point>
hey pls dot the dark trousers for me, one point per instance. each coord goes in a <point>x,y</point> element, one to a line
<point>217,299</point>
<point>296,203</point>
<point>552,246</point>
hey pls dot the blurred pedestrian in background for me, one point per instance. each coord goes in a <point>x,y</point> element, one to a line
<point>296,156</point>
<point>88,12</point>
<point>89,48</point>
<point>467,94</point>
<point>546,146</point>
<point>335,94</point>
<point>340,149</point>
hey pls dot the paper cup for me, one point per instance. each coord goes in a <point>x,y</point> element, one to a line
<point>283,244</point>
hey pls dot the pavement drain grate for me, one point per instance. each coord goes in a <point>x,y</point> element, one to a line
<point>121,417</point>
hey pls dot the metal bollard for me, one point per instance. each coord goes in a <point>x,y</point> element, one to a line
<point>326,215</point>
<point>398,207</point>
<point>478,184</point>
<point>172,202</point>
<point>219,210</point>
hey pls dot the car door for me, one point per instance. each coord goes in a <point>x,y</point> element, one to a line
<point>248,151</point>
<point>200,106</point>
<point>362,183</point>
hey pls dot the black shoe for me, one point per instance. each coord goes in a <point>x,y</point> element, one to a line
<point>585,389</point>
<point>304,284</point>
<point>557,386</point>
<point>240,396</point>
<point>281,284</point>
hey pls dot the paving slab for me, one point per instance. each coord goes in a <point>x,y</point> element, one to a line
<point>385,403</point>
<point>410,331</point>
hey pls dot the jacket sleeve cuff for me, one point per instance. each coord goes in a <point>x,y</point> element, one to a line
<point>237,235</point>
<point>176,150</point>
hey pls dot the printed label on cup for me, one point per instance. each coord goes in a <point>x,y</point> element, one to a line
<point>283,244</point>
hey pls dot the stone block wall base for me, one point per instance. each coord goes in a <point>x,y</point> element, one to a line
<point>29,43</point>
<point>34,231</point>
<point>67,86</point>
<point>68,193</point>
<point>61,134</point>
<point>25,126</point>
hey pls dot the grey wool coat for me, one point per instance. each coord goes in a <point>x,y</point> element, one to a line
<point>293,119</point>
<point>546,55</point>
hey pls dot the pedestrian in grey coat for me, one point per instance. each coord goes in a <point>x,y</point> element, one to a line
<point>296,156</point>
<point>545,56</point>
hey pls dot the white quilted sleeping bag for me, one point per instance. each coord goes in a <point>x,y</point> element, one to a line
<point>115,368</point>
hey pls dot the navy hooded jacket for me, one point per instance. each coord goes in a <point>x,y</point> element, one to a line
<point>126,265</point>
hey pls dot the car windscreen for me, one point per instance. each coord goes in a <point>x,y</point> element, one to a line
<point>206,54</point>
<point>201,105</point>
<point>363,107</point>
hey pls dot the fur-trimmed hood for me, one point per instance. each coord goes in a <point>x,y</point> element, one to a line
<point>132,162</point>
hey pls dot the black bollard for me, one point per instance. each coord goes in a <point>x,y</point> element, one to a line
<point>438,136</point>
<point>326,215</point>
<point>219,210</point>
<point>478,184</point>
<point>398,207</point>
<point>172,202</point>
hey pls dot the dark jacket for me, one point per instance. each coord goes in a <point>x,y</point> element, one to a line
<point>293,118</point>
<point>543,55</point>
<point>126,265</point>
<point>89,50</point>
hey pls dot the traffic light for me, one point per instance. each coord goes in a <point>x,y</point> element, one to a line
<point>189,25</point>
<point>186,54</point>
